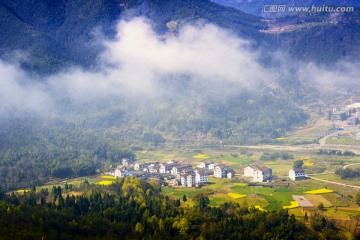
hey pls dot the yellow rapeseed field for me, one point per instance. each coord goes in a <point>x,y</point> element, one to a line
<point>105,182</point>
<point>236,196</point>
<point>201,156</point>
<point>320,191</point>
<point>294,204</point>
<point>108,177</point>
<point>22,190</point>
<point>240,184</point>
<point>308,164</point>
<point>259,208</point>
<point>270,163</point>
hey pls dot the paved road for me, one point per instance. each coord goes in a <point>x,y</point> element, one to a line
<point>332,182</point>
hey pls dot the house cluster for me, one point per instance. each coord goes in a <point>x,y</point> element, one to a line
<point>177,173</point>
<point>350,113</point>
<point>264,174</point>
<point>258,174</point>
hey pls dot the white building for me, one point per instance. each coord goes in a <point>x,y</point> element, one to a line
<point>249,171</point>
<point>297,174</point>
<point>167,167</point>
<point>205,164</point>
<point>258,174</point>
<point>178,169</point>
<point>154,168</point>
<point>141,166</point>
<point>187,180</point>
<point>220,171</point>
<point>118,173</point>
<point>201,177</point>
<point>211,166</point>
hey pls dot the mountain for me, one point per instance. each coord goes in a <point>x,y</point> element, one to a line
<point>174,73</point>
<point>54,34</point>
<point>322,37</point>
<point>261,7</point>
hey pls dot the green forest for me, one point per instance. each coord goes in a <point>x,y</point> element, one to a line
<point>136,209</point>
<point>31,153</point>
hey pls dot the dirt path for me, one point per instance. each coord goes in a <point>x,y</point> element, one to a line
<point>332,182</point>
<point>352,164</point>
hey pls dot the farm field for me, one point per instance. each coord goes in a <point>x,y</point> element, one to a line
<point>272,196</point>
<point>307,135</point>
<point>348,138</point>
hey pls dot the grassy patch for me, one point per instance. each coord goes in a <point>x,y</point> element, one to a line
<point>337,200</point>
<point>316,199</point>
<point>180,192</point>
<point>343,140</point>
<point>240,184</point>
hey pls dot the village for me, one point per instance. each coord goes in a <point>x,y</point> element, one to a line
<point>176,173</point>
<point>349,113</point>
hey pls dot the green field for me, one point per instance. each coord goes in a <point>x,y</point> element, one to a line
<point>306,135</point>
<point>269,196</point>
<point>343,139</point>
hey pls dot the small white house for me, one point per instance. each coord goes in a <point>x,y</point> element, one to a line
<point>230,174</point>
<point>118,173</point>
<point>249,171</point>
<point>205,164</point>
<point>220,171</point>
<point>297,174</point>
<point>258,174</point>
<point>211,166</point>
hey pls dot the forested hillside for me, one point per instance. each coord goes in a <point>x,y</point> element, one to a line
<point>135,209</point>
<point>58,34</point>
<point>32,153</point>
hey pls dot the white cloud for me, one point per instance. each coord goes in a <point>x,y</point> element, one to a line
<point>206,53</point>
<point>17,93</point>
<point>341,75</point>
<point>137,60</point>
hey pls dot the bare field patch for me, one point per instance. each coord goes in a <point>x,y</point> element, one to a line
<point>317,199</point>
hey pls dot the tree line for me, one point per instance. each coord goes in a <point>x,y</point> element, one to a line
<point>135,209</point>
<point>348,173</point>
